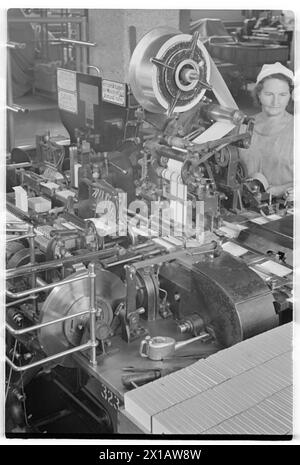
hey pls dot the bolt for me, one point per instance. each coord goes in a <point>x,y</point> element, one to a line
<point>177,296</point>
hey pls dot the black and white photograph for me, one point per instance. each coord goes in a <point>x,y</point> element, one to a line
<point>148,190</point>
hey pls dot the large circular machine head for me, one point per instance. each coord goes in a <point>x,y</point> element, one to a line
<point>169,71</point>
<point>73,298</point>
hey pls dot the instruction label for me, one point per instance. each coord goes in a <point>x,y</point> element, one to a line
<point>114,92</point>
<point>67,101</point>
<point>66,79</point>
<point>67,90</point>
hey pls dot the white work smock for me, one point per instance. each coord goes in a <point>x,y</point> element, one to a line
<point>272,154</point>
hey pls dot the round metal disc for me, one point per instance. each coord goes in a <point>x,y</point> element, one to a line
<point>141,68</point>
<point>156,65</point>
<point>73,298</point>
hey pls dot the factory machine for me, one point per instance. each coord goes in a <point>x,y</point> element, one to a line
<point>140,245</point>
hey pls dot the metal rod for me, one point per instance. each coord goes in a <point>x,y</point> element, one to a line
<point>52,418</point>
<point>15,45</point>
<point>94,343</point>
<point>77,401</point>
<point>47,20</point>
<point>48,359</point>
<point>24,269</point>
<point>20,301</point>
<point>132,259</point>
<point>10,116</point>
<point>16,238</point>
<point>15,222</point>
<point>40,282</point>
<point>81,43</point>
<point>117,167</point>
<point>25,164</point>
<point>84,51</point>
<point>20,295</point>
<point>17,109</point>
<point>13,230</point>
<point>17,332</point>
<point>32,235</point>
<point>76,50</point>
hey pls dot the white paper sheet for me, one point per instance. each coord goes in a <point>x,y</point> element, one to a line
<point>260,220</point>
<point>274,217</point>
<point>234,249</point>
<point>274,268</point>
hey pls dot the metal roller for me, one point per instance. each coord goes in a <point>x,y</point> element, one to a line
<point>74,298</point>
<point>169,71</point>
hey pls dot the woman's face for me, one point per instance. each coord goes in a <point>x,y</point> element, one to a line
<point>274,96</point>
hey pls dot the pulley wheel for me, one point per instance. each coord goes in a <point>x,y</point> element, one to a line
<point>22,257</point>
<point>147,295</point>
<point>169,71</point>
<point>12,248</point>
<point>73,298</point>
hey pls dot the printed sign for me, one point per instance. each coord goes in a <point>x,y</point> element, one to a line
<point>66,79</point>
<point>67,101</point>
<point>114,92</point>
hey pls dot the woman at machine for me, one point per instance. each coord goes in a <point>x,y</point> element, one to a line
<point>271,150</point>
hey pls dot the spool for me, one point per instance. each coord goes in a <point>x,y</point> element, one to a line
<point>169,71</point>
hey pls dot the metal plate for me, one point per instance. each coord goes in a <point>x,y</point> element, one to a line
<point>74,298</point>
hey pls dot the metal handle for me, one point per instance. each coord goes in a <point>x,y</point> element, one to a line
<point>95,68</point>
<point>203,336</point>
<point>144,343</point>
